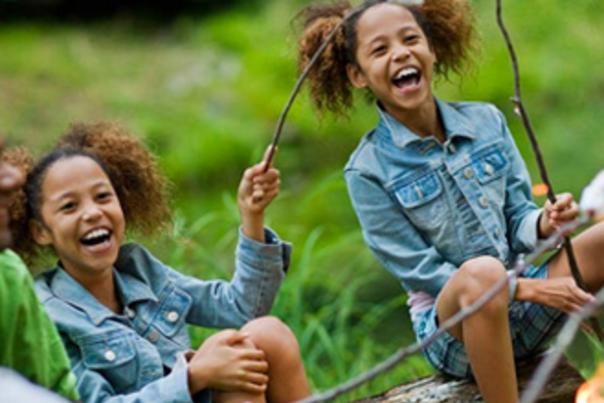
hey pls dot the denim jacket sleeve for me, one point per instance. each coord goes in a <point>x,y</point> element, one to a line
<point>259,271</point>
<point>521,213</point>
<point>93,387</point>
<point>394,240</point>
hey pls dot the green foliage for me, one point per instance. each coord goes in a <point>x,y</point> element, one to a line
<point>205,94</point>
<point>586,353</point>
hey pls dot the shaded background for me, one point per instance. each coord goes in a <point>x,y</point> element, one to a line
<point>203,83</point>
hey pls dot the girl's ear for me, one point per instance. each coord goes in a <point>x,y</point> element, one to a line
<point>356,76</point>
<point>40,233</point>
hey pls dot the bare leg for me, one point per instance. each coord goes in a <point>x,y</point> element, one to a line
<point>287,380</point>
<point>589,251</point>
<point>486,334</point>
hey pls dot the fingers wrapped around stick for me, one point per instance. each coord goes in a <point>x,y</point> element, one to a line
<point>564,210</point>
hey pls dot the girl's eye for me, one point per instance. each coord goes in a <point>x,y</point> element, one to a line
<point>104,196</point>
<point>68,206</point>
<point>411,38</point>
<point>378,50</point>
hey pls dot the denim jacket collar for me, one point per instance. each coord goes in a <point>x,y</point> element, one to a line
<point>65,287</point>
<point>456,125</point>
<point>132,289</point>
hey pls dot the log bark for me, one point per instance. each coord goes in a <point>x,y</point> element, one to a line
<point>439,389</point>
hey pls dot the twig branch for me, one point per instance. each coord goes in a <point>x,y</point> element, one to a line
<point>519,106</point>
<point>396,358</point>
<point>565,337</point>
<point>520,110</point>
<point>296,90</point>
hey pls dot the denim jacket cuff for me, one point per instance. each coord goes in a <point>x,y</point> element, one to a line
<point>273,252</point>
<point>176,384</point>
<point>530,235</point>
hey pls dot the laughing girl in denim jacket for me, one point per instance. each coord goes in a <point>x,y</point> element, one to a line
<point>441,191</point>
<point>121,313</point>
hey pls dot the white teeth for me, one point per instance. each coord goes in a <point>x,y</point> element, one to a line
<point>96,234</point>
<point>408,71</point>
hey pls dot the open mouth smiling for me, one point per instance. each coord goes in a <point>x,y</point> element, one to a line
<point>407,77</point>
<point>96,237</point>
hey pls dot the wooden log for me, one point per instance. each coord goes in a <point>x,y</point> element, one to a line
<point>439,389</point>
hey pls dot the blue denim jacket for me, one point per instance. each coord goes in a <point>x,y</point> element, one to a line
<point>425,207</point>
<point>125,357</point>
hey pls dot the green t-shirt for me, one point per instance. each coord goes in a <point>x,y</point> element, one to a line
<point>29,342</point>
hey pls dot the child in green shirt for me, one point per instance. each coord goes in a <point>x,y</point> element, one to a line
<point>29,342</point>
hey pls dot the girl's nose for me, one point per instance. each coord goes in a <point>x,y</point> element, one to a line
<point>91,213</point>
<point>400,52</point>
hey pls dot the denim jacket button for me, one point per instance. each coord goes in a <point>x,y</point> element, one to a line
<point>468,173</point>
<point>153,337</point>
<point>483,201</point>
<point>110,356</point>
<point>130,313</point>
<point>452,148</point>
<point>488,168</point>
<point>172,316</point>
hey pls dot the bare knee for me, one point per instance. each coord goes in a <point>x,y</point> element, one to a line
<point>274,337</point>
<point>478,275</point>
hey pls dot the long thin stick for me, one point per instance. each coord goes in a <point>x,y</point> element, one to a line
<point>464,313</point>
<point>296,90</point>
<point>565,337</point>
<point>523,114</point>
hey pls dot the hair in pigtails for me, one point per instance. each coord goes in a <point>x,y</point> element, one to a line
<point>328,82</point>
<point>449,26</point>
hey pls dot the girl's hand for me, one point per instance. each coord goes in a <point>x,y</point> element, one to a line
<point>227,361</point>
<point>564,210</point>
<point>256,191</point>
<point>561,293</point>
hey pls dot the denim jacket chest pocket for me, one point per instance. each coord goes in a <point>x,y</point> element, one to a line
<point>171,315</point>
<point>490,167</point>
<point>113,355</point>
<point>423,201</point>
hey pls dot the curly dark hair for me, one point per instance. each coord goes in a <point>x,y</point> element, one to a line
<point>448,25</point>
<point>132,169</point>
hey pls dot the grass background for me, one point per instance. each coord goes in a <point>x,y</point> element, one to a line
<point>204,91</point>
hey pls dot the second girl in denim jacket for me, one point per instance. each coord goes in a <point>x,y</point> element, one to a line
<point>440,189</point>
